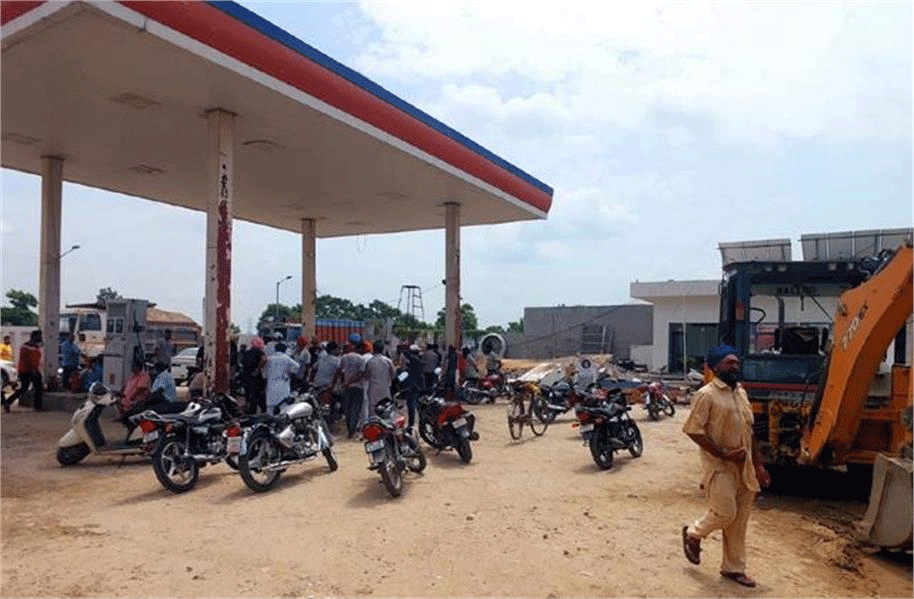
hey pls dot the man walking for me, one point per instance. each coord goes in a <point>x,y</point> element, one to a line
<point>29,372</point>
<point>720,423</point>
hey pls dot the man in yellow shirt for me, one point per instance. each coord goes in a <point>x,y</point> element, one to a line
<point>720,423</point>
<point>6,350</point>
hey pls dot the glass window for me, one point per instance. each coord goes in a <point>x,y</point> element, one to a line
<point>91,322</point>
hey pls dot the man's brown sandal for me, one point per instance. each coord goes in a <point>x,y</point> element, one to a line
<point>739,578</point>
<point>691,547</point>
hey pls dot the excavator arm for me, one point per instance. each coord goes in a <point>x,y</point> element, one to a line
<point>867,319</point>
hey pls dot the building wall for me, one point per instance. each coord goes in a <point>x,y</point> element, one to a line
<point>557,331</point>
<point>689,309</point>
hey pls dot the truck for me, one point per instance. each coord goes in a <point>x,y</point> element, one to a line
<point>90,323</point>
<point>814,341</point>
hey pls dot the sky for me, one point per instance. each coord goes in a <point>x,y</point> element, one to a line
<point>664,129</point>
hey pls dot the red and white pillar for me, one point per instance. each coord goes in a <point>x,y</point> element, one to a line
<point>220,194</point>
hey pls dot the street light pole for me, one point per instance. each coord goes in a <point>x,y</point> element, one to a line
<point>75,247</point>
<point>276,305</point>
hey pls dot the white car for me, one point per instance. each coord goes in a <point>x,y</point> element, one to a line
<point>183,362</point>
<point>8,373</point>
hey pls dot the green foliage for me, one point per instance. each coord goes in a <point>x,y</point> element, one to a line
<point>21,299</point>
<point>20,314</point>
<point>281,313</point>
<point>108,293</point>
<point>516,327</point>
<point>468,320</point>
<point>234,329</point>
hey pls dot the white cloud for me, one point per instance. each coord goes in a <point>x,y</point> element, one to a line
<point>761,69</point>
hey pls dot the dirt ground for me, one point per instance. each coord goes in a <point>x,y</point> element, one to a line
<point>534,518</point>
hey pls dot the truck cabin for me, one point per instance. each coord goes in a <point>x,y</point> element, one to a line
<point>779,316</point>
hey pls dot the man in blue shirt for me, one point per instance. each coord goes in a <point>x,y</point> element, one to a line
<point>69,358</point>
<point>164,384</point>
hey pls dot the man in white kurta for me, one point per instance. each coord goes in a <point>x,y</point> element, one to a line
<point>720,422</point>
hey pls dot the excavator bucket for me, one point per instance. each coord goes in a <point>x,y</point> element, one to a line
<point>888,521</point>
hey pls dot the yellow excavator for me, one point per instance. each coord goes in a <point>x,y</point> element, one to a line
<point>821,386</point>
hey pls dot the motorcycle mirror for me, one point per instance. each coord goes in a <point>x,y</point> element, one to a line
<point>438,370</point>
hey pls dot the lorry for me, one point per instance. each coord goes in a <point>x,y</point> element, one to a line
<point>814,341</point>
<point>89,321</point>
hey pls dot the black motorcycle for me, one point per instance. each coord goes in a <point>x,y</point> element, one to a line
<point>187,441</point>
<point>607,427</point>
<point>390,447</point>
<point>446,425</point>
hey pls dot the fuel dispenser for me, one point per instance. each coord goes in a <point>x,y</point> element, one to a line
<point>125,324</point>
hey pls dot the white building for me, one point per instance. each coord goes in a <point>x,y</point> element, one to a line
<point>694,304</point>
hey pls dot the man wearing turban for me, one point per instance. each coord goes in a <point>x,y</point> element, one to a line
<point>720,423</point>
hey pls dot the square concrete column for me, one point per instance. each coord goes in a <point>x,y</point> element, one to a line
<point>220,193</point>
<point>452,326</point>
<point>308,276</point>
<point>49,268</point>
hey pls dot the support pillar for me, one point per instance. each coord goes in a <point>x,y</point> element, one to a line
<point>452,326</point>
<point>220,193</point>
<point>49,269</point>
<point>308,277</point>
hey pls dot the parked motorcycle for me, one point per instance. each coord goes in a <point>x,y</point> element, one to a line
<point>270,444</point>
<point>606,427</point>
<point>486,388</point>
<point>86,437</point>
<point>390,447</point>
<point>656,401</point>
<point>185,442</point>
<point>562,396</point>
<point>446,425</point>
<point>329,402</point>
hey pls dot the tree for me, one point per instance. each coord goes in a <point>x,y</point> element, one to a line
<point>468,320</point>
<point>106,294</point>
<point>20,314</point>
<point>517,326</point>
<point>234,329</point>
<point>284,313</point>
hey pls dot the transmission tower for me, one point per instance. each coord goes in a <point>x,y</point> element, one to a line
<point>414,305</point>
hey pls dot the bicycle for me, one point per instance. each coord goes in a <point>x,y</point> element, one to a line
<point>520,415</point>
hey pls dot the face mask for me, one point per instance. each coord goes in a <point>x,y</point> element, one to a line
<point>730,378</point>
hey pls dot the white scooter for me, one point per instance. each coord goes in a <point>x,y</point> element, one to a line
<point>85,435</point>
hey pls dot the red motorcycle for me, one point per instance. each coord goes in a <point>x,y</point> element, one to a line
<point>486,388</point>
<point>444,425</point>
<point>656,400</point>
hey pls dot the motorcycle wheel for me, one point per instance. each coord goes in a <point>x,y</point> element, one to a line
<point>653,411</point>
<point>472,395</point>
<point>515,421</point>
<point>464,450</point>
<point>636,444</point>
<point>415,460</point>
<point>391,476</point>
<point>232,461</point>
<point>67,456</point>
<point>262,450</point>
<point>601,451</point>
<point>177,474</point>
<point>538,410</point>
<point>330,456</point>
<point>670,409</point>
<point>427,432</point>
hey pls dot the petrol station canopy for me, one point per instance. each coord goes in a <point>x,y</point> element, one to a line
<point>121,91</point>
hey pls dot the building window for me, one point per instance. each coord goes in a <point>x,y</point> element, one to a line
<point>699,337</point>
